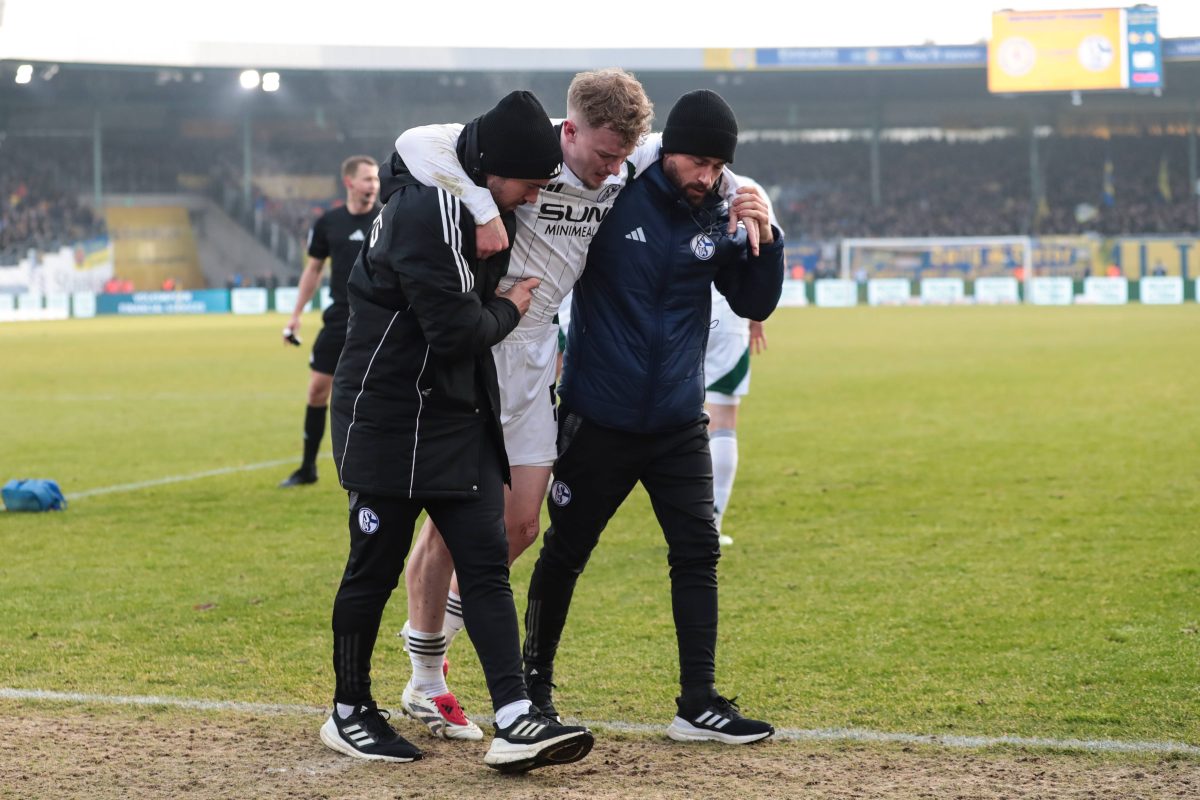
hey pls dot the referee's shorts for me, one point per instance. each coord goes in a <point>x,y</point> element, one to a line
<point>327,349</point>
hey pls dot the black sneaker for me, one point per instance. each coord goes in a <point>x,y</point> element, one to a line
<point>534,740</point>
<point>301,477</point>
<point>716,720</point>
<point>367,734</point>
<point>541,693</point>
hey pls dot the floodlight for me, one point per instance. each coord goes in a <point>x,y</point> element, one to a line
<point>25,73</point>
<point>249,79</point>
<point>270,82</point>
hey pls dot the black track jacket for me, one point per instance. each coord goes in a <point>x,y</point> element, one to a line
<point>415,394</point>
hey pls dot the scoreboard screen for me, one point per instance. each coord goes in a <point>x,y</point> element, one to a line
<point>1077,50</point>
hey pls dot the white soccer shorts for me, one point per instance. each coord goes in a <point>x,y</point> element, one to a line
<point>525,364</point>
<point>727,358</point>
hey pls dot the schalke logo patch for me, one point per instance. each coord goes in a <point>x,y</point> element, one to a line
<point>703,246</point>
<point>560,494</point>
<point>368,520</point>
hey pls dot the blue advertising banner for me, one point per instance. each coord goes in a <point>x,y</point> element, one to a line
<point>870,57</point>
<point>1145,48</point>
<point>202,301</point>
<point>1181,49</point>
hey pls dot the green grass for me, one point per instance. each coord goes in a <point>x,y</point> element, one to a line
<point>966,520</point>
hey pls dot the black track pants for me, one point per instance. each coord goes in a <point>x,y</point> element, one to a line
<point>381,530</point>
<point>596,470</point>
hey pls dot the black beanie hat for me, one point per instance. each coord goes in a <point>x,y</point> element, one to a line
<point>517,140</point>
<point>701,123</point>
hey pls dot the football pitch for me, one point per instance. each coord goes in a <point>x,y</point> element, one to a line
<point>949,522</point>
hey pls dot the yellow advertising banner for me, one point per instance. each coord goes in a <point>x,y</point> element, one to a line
<point>1141,257</point>
<point>1057,51</point>
<point>152,244</point>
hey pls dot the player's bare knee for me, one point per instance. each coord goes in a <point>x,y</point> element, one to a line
<point>522,536</point>
<point>319,389</point>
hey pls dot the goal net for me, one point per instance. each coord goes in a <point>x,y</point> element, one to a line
<point>985,269</point>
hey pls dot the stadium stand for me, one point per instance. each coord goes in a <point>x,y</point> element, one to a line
<point>951,160</point>
<point>937,187</point>
<point>40,209</point>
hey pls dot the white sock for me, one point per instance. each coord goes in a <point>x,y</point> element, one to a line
<point>724,448</point>
<point>453,622</point>
<point>507,715</point>
<point>426,651</point>
<point>344,710</point>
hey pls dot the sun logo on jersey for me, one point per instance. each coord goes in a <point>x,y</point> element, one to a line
<point>703,247</point>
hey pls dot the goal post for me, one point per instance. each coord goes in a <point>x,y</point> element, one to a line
<point>968,258</point>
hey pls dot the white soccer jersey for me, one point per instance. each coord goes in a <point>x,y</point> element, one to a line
<point>553,234</point>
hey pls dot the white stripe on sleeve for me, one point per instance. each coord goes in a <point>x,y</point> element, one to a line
<point>451,209</point>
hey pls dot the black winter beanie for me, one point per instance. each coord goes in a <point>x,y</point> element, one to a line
<point>701,123</point>
<point>516,140</point>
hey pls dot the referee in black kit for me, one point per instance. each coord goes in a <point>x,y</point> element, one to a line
<point>337,236</point>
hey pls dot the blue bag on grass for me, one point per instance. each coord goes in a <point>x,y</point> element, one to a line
<point>33,495</point>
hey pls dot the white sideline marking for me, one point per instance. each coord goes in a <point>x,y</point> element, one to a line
<point>177,702</point>
<point>820,734</point>
<point>130,487</point>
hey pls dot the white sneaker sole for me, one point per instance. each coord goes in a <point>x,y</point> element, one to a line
<point>334,741</point>
<point>725,541</point>
<point>683,731</point>
<point>566,749</point>
<point>413,706</point>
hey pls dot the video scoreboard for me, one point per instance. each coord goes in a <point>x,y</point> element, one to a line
<point>1101,49</point>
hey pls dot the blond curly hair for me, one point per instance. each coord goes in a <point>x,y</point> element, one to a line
<point>611,98</point>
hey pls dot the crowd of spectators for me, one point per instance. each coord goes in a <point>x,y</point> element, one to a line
<point>40,208</point>
<point>934,187</point>
<point>822,190</point>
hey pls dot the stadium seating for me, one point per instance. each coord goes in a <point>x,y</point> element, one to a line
<point>976,188</point>
<point>822,190</point>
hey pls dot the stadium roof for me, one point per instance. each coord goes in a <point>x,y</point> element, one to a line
<point>473,34</point>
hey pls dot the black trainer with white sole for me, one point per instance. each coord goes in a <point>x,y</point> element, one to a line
<point>367,734</point>
<point>534,740</point>
<point>716,720</point>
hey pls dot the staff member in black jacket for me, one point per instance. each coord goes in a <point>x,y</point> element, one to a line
<point>416,427</point>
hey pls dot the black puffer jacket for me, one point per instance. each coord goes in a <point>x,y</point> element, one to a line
<point>415,394</point>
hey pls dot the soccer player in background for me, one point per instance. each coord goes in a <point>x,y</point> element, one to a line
<point>337,236</point>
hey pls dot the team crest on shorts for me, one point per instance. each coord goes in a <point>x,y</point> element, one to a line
<point>560,494</point>
<point>703,247</point>
<point>368,520</point>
